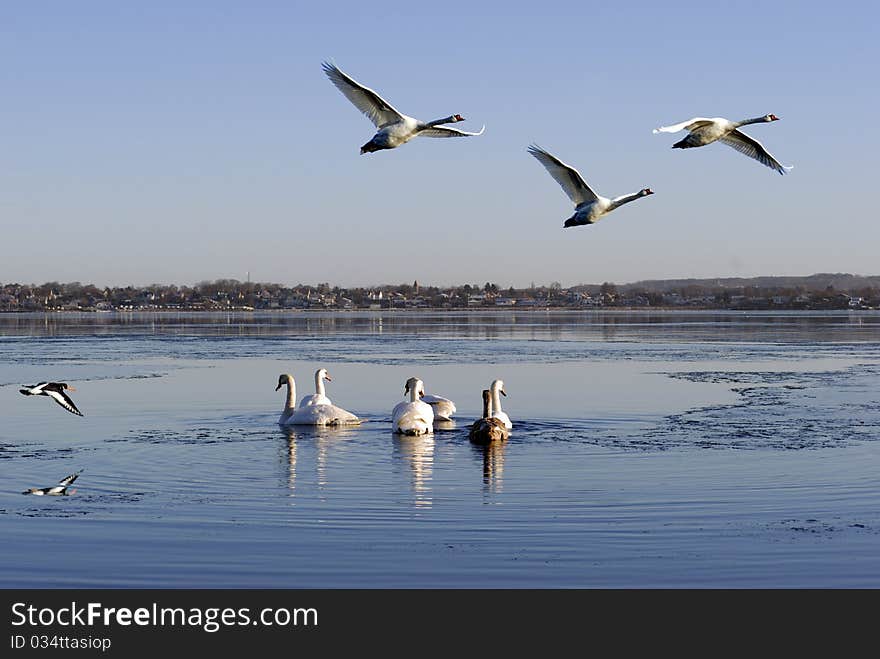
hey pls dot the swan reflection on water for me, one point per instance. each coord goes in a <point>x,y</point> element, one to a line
<point>492,455</point>
<point>418,453</point>
<point>324,438</point>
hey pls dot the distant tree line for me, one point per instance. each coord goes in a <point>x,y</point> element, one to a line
<point>832,291</point>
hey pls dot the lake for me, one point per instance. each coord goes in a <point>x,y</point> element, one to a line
<point>650,449</point>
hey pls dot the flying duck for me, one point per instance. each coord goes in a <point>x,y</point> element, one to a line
<point>55,490</point>
<point>54,390</point>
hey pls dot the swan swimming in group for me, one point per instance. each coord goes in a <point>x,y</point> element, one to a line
<point>413,417</point>
<point>443,407</point>
<point>703,131</point>
<point>320,395</point>
<point>394,127</point>
<point>497,387</point>
<point>315,409</point>
<point>588,206</point>
<point>488,428</point>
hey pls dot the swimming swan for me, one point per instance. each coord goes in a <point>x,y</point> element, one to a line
<point>318,414</point>
<point>443,407</point>
<point>413,417</point>
<point>320,395</point>
<point>488,429</point>
<point>495,388</point>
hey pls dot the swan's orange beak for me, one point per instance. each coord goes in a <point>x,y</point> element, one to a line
<point>773,117</point>
<point>327,377</point>
<point>69,388</point>
<point>278,387</point>
<point>458,117</point>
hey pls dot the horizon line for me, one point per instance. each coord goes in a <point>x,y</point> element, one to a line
<point>251,282</point>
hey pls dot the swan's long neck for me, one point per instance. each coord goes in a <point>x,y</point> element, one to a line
<point>291,396</point>
<point>448,120</point>
<point>746,122</point>
<point>414,391</point>
<point>487,400</point>
<point>620,201</point>
<point>319,383</point>
<point>496,401</point>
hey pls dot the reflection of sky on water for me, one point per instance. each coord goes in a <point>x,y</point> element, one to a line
<point>635,436</point>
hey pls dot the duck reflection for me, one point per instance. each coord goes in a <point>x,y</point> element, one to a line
<point>418,452</point>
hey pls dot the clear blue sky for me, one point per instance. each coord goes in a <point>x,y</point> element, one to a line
<point>174,142</point>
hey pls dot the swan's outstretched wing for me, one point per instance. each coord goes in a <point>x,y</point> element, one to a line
<point>377,109</point>
<point>690,124</point>
<point>565,175</point>
<point>753,149</point>
<point>443,131</point>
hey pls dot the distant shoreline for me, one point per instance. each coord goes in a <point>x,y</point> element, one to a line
<point>443,310</point>
<point>814,292</point>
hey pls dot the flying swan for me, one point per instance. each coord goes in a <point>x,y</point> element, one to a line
<point>394,128</point>
<point>703,131</point>
<point>588,206</point>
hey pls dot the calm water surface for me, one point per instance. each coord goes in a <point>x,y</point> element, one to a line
<point>650,449</point>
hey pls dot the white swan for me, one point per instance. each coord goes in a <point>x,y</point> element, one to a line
<point>495,388</point>
<point>443,407</point>
<point>588,206</point>
<point>317,414</point>
<point>489,428</point>
<point>394,128</point>
<point>290,404</point>
<point>413,417</point>
<point>703,131</point>
<point>320,395</point>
